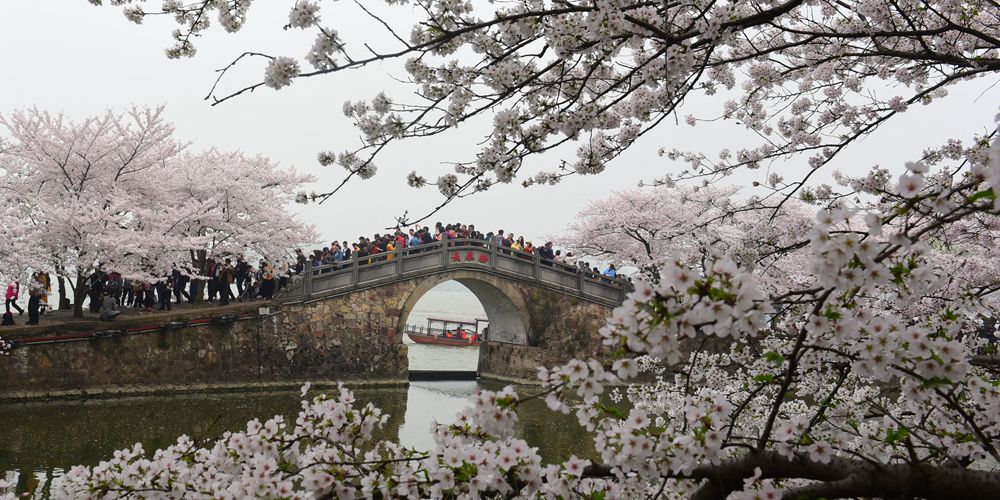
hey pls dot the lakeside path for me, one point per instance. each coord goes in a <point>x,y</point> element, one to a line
<point>60,322</point>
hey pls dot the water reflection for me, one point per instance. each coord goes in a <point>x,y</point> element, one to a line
<point>48,438</point>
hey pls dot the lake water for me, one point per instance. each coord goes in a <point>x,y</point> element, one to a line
<point>40,440</point>
<point>47,438</point>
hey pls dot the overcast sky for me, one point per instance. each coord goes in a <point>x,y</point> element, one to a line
<point>67,55</point>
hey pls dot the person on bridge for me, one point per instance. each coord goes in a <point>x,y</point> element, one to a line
<point>517,244</point>
<point>13,291</point>
<point>390,249</point>
<point>300,263</point>
<point>546,253</point>
<point>611,272</point>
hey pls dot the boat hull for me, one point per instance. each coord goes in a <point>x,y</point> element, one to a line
<point>430,339</point>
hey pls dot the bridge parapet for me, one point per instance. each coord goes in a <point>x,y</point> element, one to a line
<point>408,263</point>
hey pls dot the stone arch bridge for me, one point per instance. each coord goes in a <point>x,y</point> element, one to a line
<point>540,312</point>
<point>341,322</point>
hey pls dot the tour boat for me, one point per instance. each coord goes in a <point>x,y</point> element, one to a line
<point>448,332</point>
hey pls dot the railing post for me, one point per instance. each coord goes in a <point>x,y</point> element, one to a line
<point>355,272</point>
<point>579,280</point>
<point>493,256</point>
<point>399,262</point>
<point>444,252</point>
<point>536,261</point>
<point>307,281</point>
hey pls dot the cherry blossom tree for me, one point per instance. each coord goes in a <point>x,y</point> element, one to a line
<point>89,187</point>
<point>115,191</point>
<point>597,75</point>
<point>653,225</point>
<point>235,205</point>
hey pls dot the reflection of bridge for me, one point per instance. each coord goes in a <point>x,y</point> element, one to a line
<point>444,256</point>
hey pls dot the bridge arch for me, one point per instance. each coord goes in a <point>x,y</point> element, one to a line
<point>505,308</point>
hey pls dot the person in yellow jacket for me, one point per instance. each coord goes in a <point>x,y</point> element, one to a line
<point>43,278</point>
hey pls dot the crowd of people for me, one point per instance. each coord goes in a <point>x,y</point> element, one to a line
<point>383,247</point>
<point>110,292</point>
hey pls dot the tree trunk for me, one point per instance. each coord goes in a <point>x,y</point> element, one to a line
<point>199,262</point>
<point>79,293</point>
<point>199,291</point>
<point>62,291</point>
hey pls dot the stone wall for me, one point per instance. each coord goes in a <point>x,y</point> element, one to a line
<point>352,336</point>
<point>562,328</point>
<point>279,350</point>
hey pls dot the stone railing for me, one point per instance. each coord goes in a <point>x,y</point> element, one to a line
<point>442,256</point>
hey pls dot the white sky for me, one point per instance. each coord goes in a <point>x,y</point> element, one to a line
<point>68,55</point>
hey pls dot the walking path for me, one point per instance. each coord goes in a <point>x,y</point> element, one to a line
<point>62,321</point>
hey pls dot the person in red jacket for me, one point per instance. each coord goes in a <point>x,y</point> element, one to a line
<point>13,291</point>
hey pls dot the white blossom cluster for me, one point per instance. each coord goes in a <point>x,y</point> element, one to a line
<point>280,72</point>
<point>304,14</point>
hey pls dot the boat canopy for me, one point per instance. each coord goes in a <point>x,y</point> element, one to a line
<point>452,324</point>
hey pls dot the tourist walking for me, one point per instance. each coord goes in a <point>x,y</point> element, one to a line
<point>283,273</point>
<point>13,291</point>
<point>98,281</point>
<point>35,292</point>
<point>128,293</point>
<point>226,276</point>
<point>179,282</point>
<point>241,274</point>
<point>267,280</point>
<point>46,283</point>
<point>213,279</point>
<point>148,297</point>
<point>163,293</point>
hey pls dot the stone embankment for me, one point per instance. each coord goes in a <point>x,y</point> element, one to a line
<point>226,348</point>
